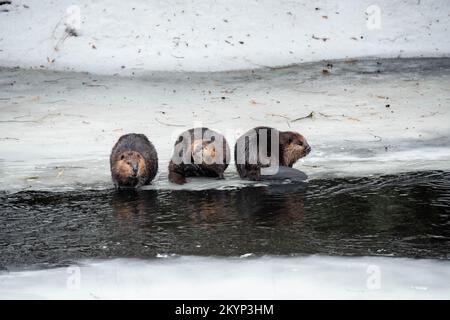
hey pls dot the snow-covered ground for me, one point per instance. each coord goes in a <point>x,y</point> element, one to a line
<point>315,277</point>
<point>366,117</point>
<point>133,37</point>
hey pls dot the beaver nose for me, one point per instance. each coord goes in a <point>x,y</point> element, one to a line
<point>134,168</point>
<point>307,149</point>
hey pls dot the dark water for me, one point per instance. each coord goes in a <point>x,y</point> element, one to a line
<point>405,215</point>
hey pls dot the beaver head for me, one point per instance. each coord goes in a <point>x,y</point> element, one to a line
<point>293,146</point>
<point>205,152</point>
<point>128,167</point>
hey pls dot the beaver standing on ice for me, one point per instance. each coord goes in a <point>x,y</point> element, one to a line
<point>199,152</point>
<point>257,159</point>
<point>134,161</point>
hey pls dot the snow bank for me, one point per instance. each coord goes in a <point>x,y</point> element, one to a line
<point>315,277</point>
<point>131,37</point>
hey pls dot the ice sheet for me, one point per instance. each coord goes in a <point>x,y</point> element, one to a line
<point>313,277</point>
<point>364,117</point>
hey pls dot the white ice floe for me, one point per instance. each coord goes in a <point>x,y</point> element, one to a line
<point>57,129</point>
<point>314,277</point>
<point>132,37</point>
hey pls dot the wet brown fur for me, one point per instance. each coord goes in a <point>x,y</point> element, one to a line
<point>134,161</point>
<point>202,150</point>
<point>292,147</point>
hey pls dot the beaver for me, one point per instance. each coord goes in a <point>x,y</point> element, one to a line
<point>134,161</point>
<point>199,152</point>
<point>256,159</point>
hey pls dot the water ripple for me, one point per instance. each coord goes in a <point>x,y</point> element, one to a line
<point>405,215</point>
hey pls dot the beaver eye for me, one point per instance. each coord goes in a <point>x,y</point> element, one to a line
<point>290,140</point>
<point>139,156</point>
<point>122,157</point>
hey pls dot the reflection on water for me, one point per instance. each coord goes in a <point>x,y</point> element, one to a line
<point>405,215</point>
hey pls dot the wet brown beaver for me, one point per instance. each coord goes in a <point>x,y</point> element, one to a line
<point>199,152</point>
<point>266,153</point>
<point>134,161</point>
